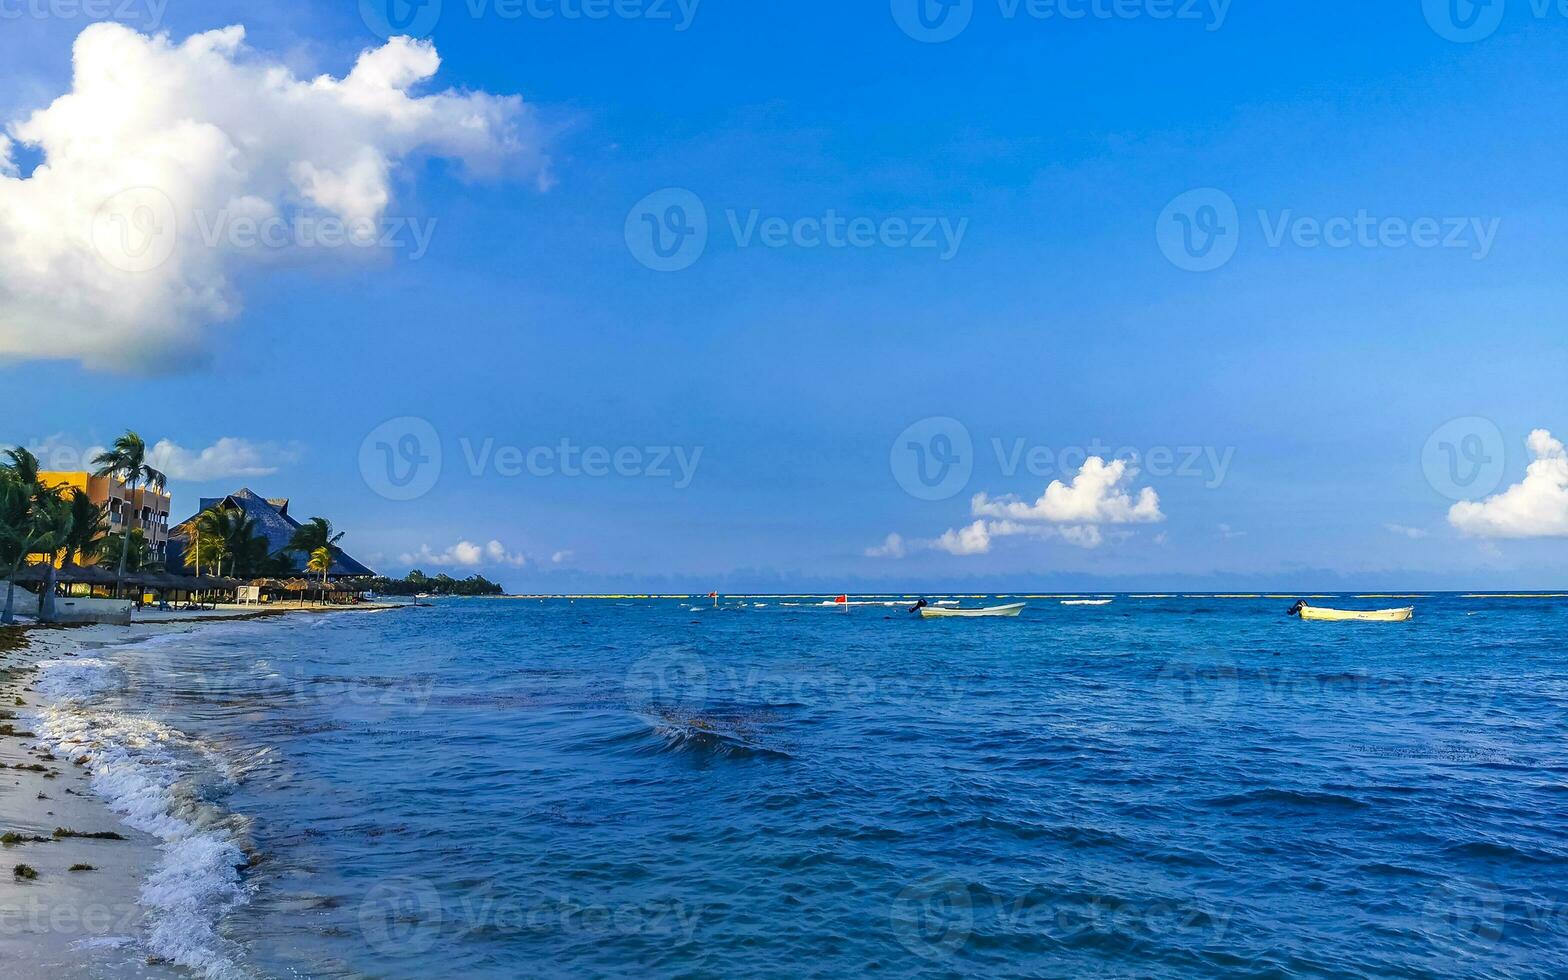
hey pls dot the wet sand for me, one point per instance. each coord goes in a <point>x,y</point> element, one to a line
<point>56,922</point>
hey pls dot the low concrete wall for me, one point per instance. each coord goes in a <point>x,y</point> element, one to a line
<point>74,610</point>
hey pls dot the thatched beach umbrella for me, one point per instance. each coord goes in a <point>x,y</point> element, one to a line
<point>86,575</point>
<point>31,574</point>
<point>165,581</point>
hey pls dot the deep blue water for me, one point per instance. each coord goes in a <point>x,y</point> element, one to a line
<point>1159,787</point>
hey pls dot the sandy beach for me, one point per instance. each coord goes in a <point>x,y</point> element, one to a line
<point>71,906</point>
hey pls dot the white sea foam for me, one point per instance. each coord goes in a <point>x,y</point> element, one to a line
<point>149,774</point>
<point>78,680</point>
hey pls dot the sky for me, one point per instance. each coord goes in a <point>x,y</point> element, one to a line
<point>591,295</point>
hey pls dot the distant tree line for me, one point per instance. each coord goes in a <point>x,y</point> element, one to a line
<point>417,582</point>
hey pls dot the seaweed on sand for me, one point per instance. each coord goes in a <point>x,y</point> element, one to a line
<point>11,838</point>
<point>62,833</point>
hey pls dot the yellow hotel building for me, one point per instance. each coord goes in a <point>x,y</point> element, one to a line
<point>144,507</point>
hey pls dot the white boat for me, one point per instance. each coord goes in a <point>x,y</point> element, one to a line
<point>991,612</point>
<point>1086,602</point>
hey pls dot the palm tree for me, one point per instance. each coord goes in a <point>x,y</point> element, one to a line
<point>24,467</point>
<point>89,527</point>
<point>213,529</point>
<point>321,561</point>
<point>52,521</point>
<point>126,461</point>
<point>246,546</point>
<point>16,534</point>
<point>133,554</point>
<point>314,533</point>
<point>19,527</point>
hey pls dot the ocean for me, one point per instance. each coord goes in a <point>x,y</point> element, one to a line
<point>1168,786</point>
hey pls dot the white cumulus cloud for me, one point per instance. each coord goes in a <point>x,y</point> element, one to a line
<point>974,539</point>
<point>228,457</point>
<point>1097,495</point>
<point>1100,494</point>
<point>114,251</point>
<point>1536,507</point>
<point>466,554</point>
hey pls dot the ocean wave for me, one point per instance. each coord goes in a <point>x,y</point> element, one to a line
<point>723,738</point>
<point>78,680</point>
<point>157,780</point>
<point>1288,797</point>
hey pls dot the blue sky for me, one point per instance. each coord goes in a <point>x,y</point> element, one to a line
<point>784,376</point>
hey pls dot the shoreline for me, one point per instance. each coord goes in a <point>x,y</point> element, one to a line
<point>55,921</point>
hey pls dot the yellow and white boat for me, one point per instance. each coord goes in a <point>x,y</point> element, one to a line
<point>935,612</point>
<point>1321,614</point>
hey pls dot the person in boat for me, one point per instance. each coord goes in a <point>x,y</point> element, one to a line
<point>1296,609</point>
<point>918,606</point>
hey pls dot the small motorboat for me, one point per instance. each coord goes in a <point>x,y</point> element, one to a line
<point>1322,614</point>
<point>991,612</point>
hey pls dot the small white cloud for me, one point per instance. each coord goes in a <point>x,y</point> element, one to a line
<point>228,457</point>
<point>892,547</point>
<point>466,554</point>
<point>1536,507</point>
<point>496,552</point>
<point>1097,495</point>
<point>560,557</point>
<point>1229,533</point>
<point>972,540</point>
<point>1413,533</point>
<point>1082,535</point>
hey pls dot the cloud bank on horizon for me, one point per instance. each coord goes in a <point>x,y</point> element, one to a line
<point>466,554</point>
<point>1100,494</point>
<point>119,249</point>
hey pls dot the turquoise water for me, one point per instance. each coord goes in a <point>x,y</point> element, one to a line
<point>1161,787</point>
